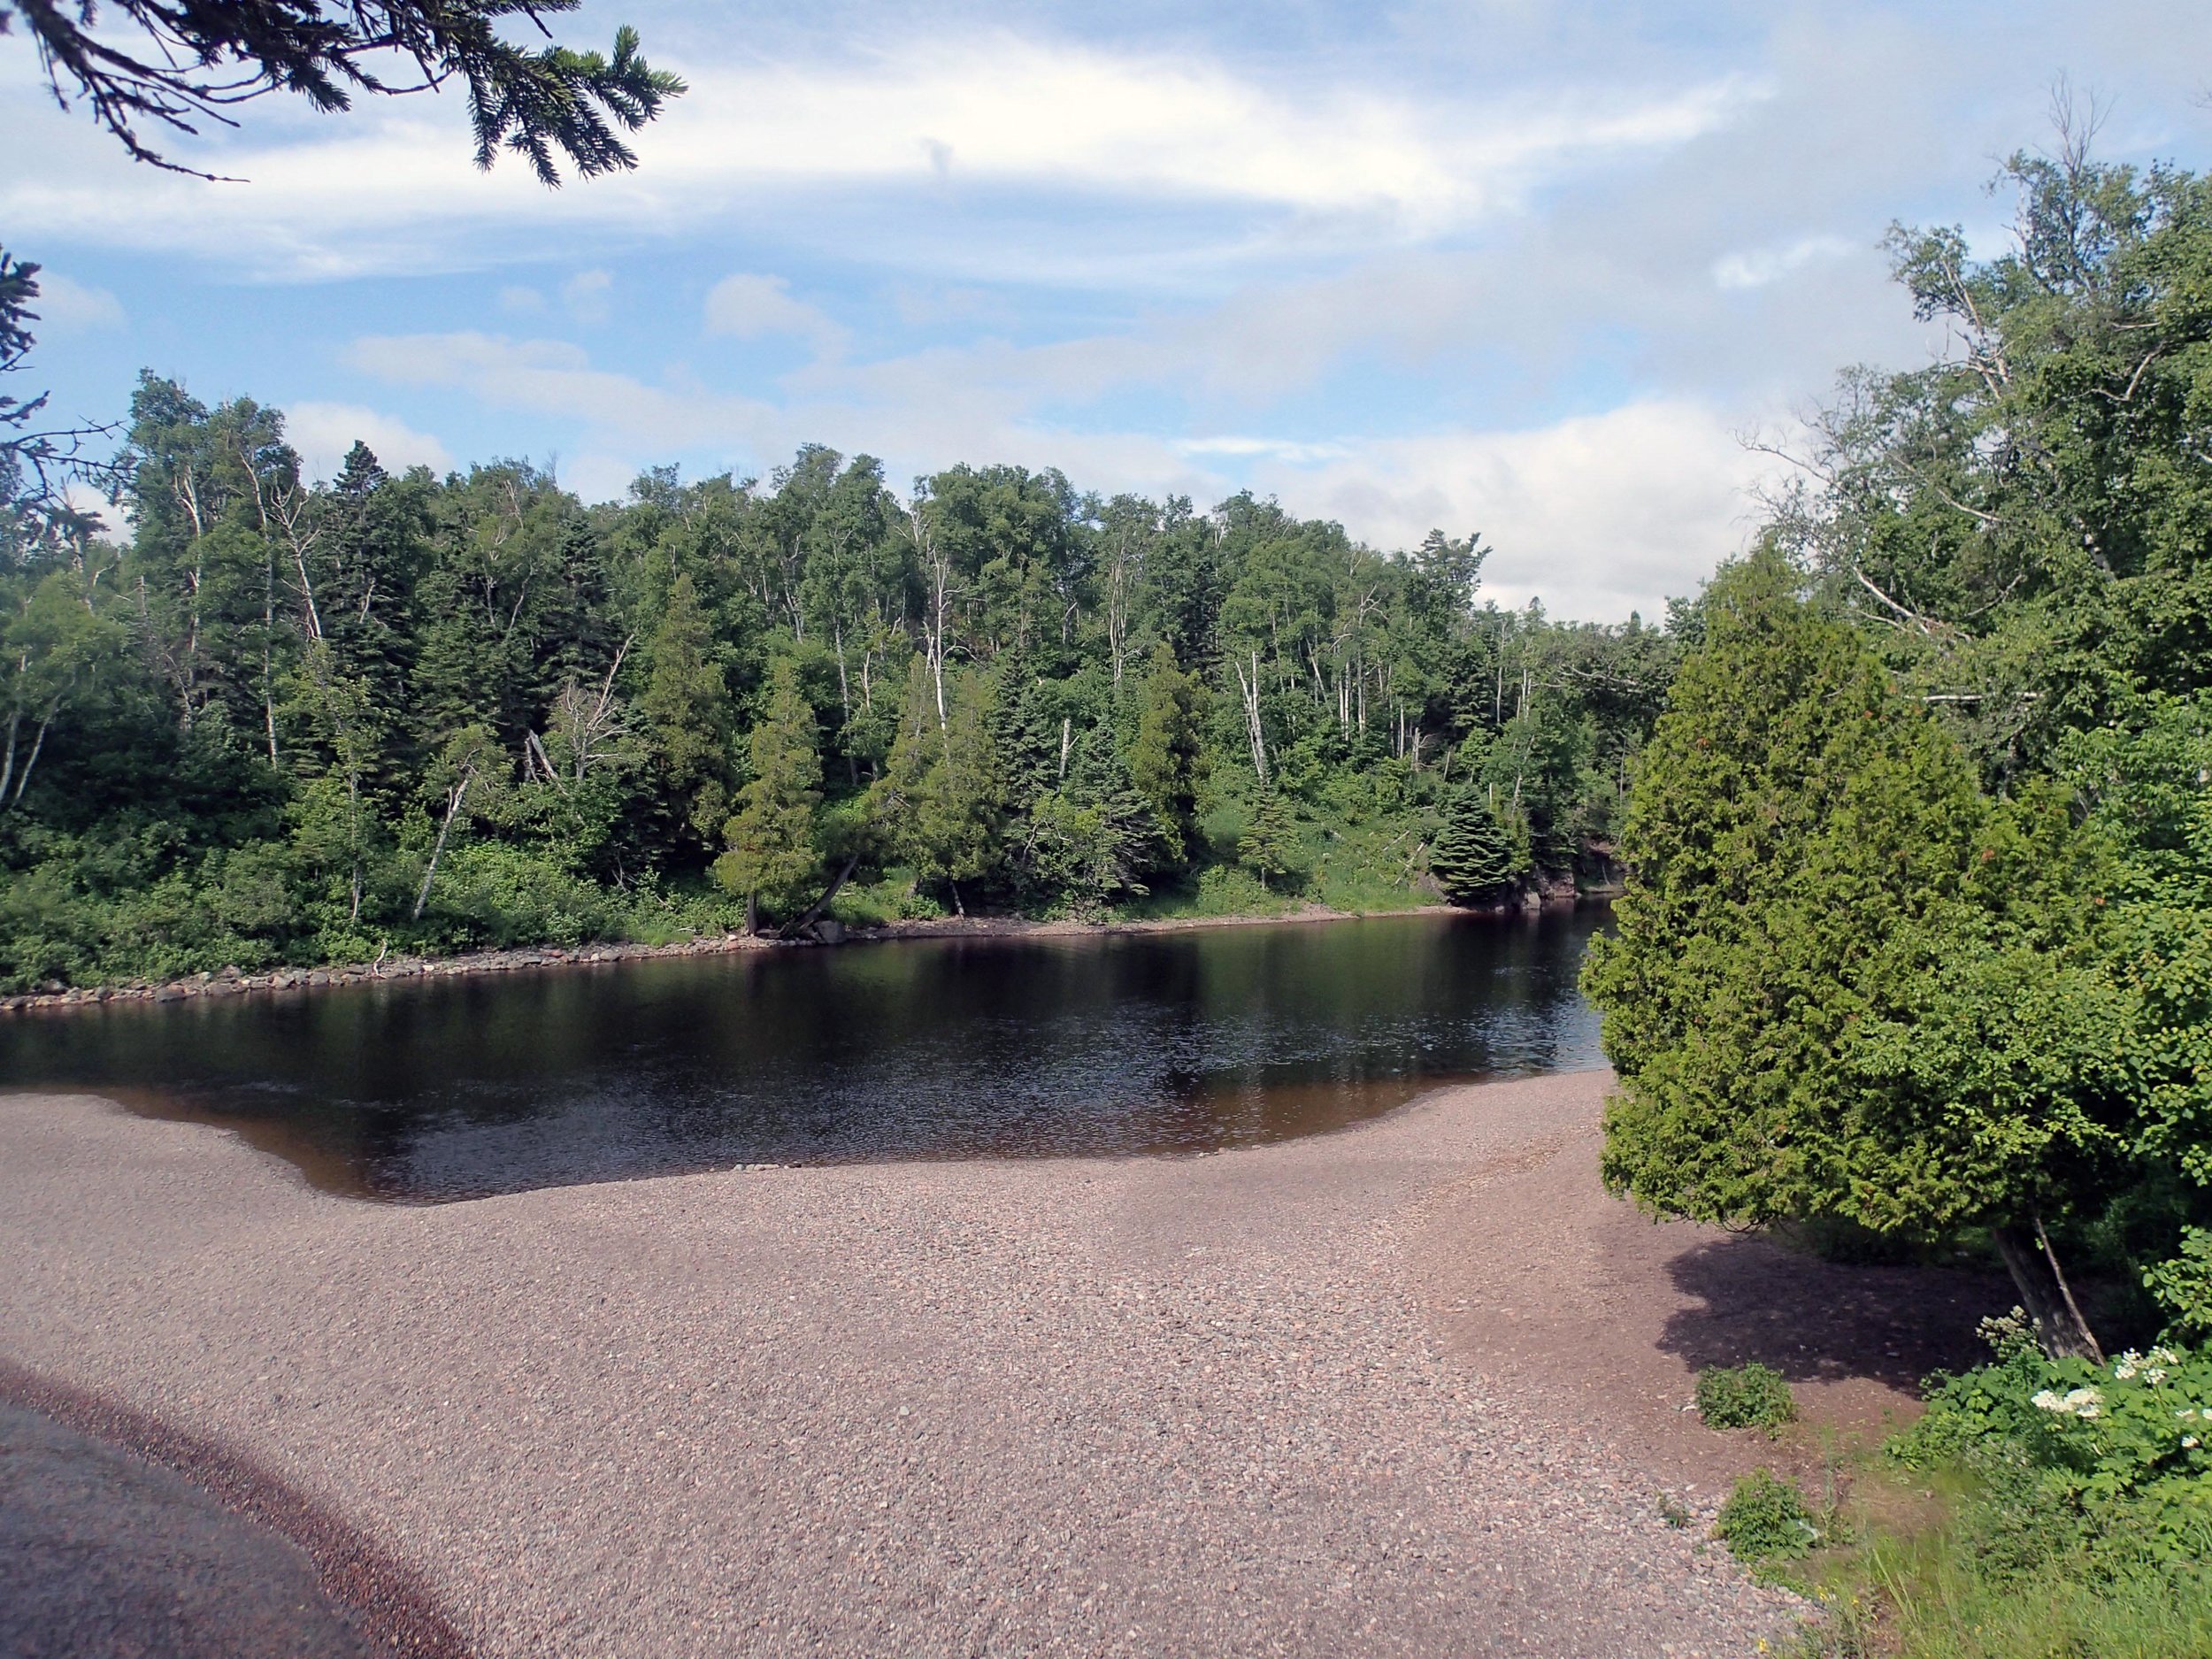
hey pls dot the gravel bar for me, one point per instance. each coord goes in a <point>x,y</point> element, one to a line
<point>1195,1406</point>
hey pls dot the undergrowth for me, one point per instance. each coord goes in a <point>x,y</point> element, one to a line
<point>2041,1509</point>
<point>1752,1396</point>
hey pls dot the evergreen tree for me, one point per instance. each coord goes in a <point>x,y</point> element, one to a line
<point>771,857</point>
<point>1472,857</point>
<point>1268,846</point>
<point>1845,984</point>
<point>686,704</point>
<point>961,802</point>
<point>1167,761</point>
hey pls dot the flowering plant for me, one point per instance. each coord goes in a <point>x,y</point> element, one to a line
<point>2125,1447</point>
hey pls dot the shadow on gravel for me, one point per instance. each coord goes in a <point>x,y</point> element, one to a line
<point>121,1537</point>
<point>1749,1298</point>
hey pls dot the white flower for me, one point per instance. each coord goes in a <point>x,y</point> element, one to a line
<point>2188,1442</point>
<point>2049,1402</point>
<point>2084,1402</point>
<point>2163,1357</point>
<point>2157,1376</point>
<point>2123,1368</point>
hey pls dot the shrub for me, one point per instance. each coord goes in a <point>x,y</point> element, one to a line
<point>2116,1454</point>
<point>1752,1396</point>
<point>1765,1519</point>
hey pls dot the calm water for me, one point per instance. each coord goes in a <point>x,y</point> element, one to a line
<point>423,1091</point>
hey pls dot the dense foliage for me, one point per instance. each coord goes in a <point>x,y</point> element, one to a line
<point>285,721</point>
<point>1919,933</point>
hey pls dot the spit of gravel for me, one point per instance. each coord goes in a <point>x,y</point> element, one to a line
<point>1183,1406</point>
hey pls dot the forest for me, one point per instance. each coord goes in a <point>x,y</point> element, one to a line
<point>252,718</point>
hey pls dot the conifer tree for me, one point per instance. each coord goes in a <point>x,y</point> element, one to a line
<point>771,857</point>
<point>686,700</point>
<point>940,800</point>
<point>1269,844</point>
<point>1845,984</point>
<point>1472,855</point>
<point>961,802</point>
<point>1167,762</point>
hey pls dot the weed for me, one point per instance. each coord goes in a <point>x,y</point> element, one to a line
<point>1753,1396</point>
<point>1765,1520</point>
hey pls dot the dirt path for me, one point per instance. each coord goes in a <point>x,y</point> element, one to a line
<point>1211,1407</point>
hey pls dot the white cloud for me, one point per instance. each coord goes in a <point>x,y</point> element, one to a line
<point>553,377</point>
<point>1292,450</point>
<point>322,432</point>
<point>748,307</point>
<point>585,294</point>
<point>1758,267</point>
<point>996,113</point>
<point>65,306</point>
<point>595,476</point>
<point>1598,515</point>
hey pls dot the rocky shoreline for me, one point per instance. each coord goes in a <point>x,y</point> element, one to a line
<point>233,982</point>
<point>959,1409</point>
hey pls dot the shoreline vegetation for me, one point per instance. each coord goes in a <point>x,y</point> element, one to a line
<point>1917,956</point>
<point>231,981</point>
<point>263,721</point>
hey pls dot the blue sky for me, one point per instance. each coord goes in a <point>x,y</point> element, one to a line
<point>1531,269</point>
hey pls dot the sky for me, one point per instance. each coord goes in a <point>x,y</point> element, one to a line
<point>1534,269</point>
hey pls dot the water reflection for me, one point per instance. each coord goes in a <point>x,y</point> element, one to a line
<point>424,1091</point>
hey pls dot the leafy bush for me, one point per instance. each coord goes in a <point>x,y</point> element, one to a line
<point>2183,1286</point>
<point>1752,1396</point>
<point>2112,1456</point>
<point>1765,1519</point>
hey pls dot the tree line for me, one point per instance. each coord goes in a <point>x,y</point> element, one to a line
<point>284,720</point>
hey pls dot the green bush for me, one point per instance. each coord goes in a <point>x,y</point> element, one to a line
<point>1752,1396</point>
<point>1765,1519</point>
<point>2112,1455</point>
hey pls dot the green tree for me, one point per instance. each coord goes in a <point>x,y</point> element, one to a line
<point>687,703</point>
<point>1268,846</point>
<point>1472,855</point>
<point>940,797</point>
<point>466,778</point>
<point>771,855</point>
<point>1168,763</point>
<point>1844,983</point>
<point>335,826</point>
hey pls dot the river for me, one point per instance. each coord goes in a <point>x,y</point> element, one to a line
<point>429,1090</point>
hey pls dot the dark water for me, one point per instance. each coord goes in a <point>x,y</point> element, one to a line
<point>420,1091</point>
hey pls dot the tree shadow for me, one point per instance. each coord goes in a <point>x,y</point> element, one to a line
<point>1817,1321</point>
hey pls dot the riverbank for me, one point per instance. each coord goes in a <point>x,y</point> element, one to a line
<point>1267,1402</point>
<point>232,982</point>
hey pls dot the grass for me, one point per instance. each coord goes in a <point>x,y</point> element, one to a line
<point>1913,1565</point>
<point>1927,1594</point>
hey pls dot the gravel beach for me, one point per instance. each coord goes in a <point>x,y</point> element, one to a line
<point>1213,1406</point>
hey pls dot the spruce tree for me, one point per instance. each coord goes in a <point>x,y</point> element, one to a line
<point>1269,845</point>
<point>1167,762</point>
<point>938,803</point>
<point>1472,857</point>
<point>687,701</point>
<point>772,859</point>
